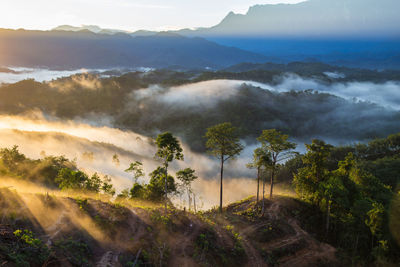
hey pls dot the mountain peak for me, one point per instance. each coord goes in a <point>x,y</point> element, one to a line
<point>315,18</point>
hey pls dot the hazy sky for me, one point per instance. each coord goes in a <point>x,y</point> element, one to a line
<point>121,14</point>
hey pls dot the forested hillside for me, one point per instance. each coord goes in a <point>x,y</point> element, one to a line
<point>346,211</point>
<point>166,100</point>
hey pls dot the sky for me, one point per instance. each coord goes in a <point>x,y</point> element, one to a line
<point>127,15</point>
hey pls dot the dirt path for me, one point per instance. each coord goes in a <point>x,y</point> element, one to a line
<point>255,260</point>
<point>53,230</point>
<point>254,257</point>
<point>109,259</point>
<point>179,253</point>
<point>308,253</point>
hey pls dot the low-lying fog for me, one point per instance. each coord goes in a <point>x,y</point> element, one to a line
<point>78,138</point>
<point>38,137</point>
<point>16,74</point>
<point>385,94</point>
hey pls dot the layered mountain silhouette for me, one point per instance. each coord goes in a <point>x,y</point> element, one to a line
<point>91,28</point>
<point>312,18</point>
<point>78,49</point>
<point>352,33</point>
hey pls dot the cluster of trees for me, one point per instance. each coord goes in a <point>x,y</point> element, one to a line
<point>70,179</point>
<point>275,148</point>
<point>161,183</point>
<point>356,187</point>
<point>43,171</point>
<point>223,143</point>
<point>53,172</point>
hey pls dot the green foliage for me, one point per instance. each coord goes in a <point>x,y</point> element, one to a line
<point>93,183</point>
<point>157,218</point>
<point>107,186</point>
<point>138,191</point>
<point>307,181</point>
<point>275,147</point>
<point>69,179</point>
<point>275,143</point>
<point>354,199</point>
<point>238,249</point>
<point>186,176</point>
<point>154,190</point>
<point>300,114</point>
<point>394,217</point>
<point>42,171</point>
<point>375,219</point>
<point>261,158</point>
<point>156,187</point>
<point>82,203</point>
<point>223,141</point>
<point>77,252</point>
<point>28,249</point>
<point>168,148</point>
<point>224,144</point>
<point>209,252</point>
<point>11,157</point>
<point>124,194</point>
<point>137,169</point>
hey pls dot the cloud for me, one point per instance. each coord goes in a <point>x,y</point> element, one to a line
<point>202,94</point>
<point>385,94</point>
<point>39,75</point>
<point>77,140</point>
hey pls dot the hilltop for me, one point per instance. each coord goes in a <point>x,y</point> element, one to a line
<point>86,231</point>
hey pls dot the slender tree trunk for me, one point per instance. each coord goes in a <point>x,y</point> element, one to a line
<point>263,198</point>
<point>194,202</point>
<point>328,214</point>
<point>272,181</point>
<point>222,175</point>
<point>189,199</point>
<point>258,182</point>
<point>166,187</point>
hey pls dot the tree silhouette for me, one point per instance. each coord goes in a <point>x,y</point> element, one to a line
<point>278,146</point>
<point>168,149</point>
<point>223,143</point>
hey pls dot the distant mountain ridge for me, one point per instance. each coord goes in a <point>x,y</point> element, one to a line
<point>91,28</point>
<point>351,33</point>
<point>312,18</point>
<point>85,49</point>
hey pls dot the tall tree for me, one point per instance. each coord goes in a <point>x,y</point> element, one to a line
<point>187,176</point>
<point>168,149</point>
<point>261,158</point>
<point>156,187</point>
<point>277,144</point>
<point>223,143</point>
<point>315,181</point>
<point>309,178</point>
<point>137,169</point>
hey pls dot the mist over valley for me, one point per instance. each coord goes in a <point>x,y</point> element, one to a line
<point>132,135</point>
